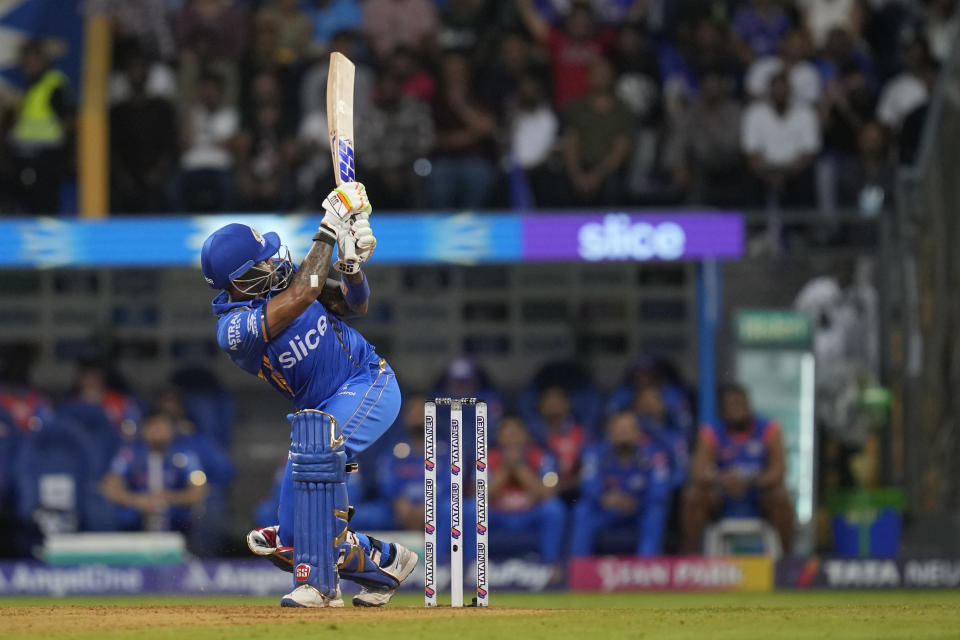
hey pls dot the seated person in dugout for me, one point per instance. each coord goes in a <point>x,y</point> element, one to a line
<point>737,471</point>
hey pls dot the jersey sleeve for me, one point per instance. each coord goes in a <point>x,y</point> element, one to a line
<point>121,463</point>
<point>243,335</point>
<point>771,429</point>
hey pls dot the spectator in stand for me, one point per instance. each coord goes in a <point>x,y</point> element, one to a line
<point>597,141</point>
<point>871,182</point>
<point>389,24</point>
<point>154,484</point>
<point>160,82</point>
<point>848,106</point>
<point>564,437</point>
<point>821,17</point>
<point>908,90</point>
<point>523,489</point>
<point>463,173</point>
<point>199,56</point>
<point>397,133</point>
<point>738,470</point>
<point>501,73</point>
<point>805,82</point>
<point>143,153</point>
<point>265,154</point>
<point>267,64</point>
<point>93,388</point>
<point>626,484</point>
<point>293,27</point>
<point>415,80</point>
<point>841,55</point>
<point>704,147</point>
<point>781,138</point>
<point>533,140</point>
<point>36,156</point>
<point>330,17</point>
<point>758,27</point>
<point>463,25</point>
<point>207,137</point>
<point>656,425</point>
<point>27,408</point>
<point>572,50</point>
<point>227,22</point>
<point>648,372</point>
<point>143,21</point>
<point>941,24</point>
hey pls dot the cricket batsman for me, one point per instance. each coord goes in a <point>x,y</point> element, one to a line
<point>284,324</point>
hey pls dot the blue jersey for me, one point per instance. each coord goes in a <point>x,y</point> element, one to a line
<point>745,453</point>
<point>646,478</point>
<point>309,361</point>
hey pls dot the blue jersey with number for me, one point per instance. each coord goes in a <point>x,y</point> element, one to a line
<point>309,361</point>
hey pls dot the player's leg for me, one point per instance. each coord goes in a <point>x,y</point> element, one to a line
<point>777,509</point>
<point>552,514</point>
<point>699,505</point>
<point>365,409</point>
<point>588,519</point>
<point>318,470</point>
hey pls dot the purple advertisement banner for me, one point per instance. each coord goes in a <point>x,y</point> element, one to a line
<point>627,237</point>
<point>224,577</point>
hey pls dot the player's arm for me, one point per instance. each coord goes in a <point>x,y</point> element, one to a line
<point>538,27</point>
<point>336,296</point>
<point>702,469</point>
<point>306,284</point>
<point>776,461</point>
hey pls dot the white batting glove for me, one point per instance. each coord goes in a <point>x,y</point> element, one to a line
<point>341,206</point>
<point>358,244</point>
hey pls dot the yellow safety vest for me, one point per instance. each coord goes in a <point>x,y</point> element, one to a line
<point>37,122</point>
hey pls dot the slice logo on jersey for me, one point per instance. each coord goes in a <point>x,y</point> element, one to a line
<point>455,533</point>
<point>429,465</point>
<point>454,469</point>
<point>302,571</point>
<point>301,348</point>
<point>429,528</point>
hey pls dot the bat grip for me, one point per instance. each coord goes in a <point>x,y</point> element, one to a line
<point>350,264</point>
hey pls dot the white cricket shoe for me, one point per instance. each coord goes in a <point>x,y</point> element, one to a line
<point>307,596</point>
<point>404,562</point>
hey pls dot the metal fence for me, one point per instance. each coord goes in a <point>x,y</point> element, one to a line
<point>923,310</point>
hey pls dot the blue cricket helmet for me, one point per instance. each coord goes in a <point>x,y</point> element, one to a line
<point>230,251</point>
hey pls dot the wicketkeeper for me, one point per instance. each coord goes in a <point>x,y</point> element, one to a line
<point>285,325</point>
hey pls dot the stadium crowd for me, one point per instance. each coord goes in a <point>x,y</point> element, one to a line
<point>573,471</point>
<point>219,104</point>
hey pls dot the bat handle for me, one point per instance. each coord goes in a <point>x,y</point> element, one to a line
<point>350,263</point>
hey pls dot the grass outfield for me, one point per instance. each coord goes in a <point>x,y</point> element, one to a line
<point>835,614</point>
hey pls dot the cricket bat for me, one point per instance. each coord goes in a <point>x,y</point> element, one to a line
<point>340,127</point>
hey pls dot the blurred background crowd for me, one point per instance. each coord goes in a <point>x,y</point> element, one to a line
<point>219,105</point>
<point>574,470</point>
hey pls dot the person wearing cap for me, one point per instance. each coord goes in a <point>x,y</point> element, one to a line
<point>281,323</point>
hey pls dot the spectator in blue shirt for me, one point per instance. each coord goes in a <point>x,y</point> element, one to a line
<point>758,28</point>
<point>153,482</point>
<point>626,483</point>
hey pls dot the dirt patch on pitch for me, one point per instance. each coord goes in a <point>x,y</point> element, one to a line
<point>42,621</point>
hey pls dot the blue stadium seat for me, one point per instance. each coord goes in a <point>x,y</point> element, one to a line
<point>97,429</point>
<point>56,478</point>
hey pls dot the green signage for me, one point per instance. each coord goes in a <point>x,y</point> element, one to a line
<point>774,328</point>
